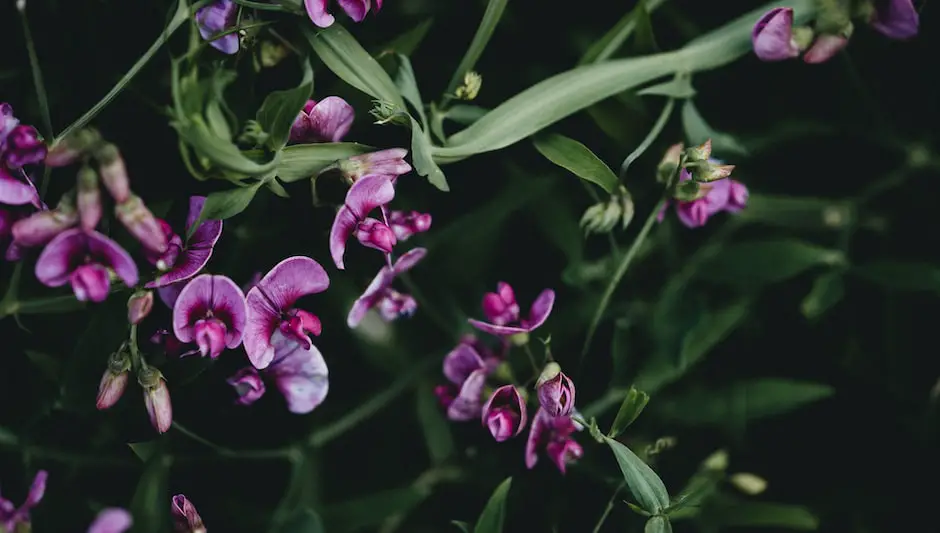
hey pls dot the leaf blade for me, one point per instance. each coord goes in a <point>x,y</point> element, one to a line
<point>494,514</point>
<point>646,486</point>
<point>577,159</point>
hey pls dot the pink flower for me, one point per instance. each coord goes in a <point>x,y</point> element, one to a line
<point>271,307</point>
<point>695,213</point>
<point>16,191</point>
<point>22,147</point>
<point>363,197</point>
<point>502,311</point>
<point>211,311</point>
<point>11,516</point>
<point>505,413</point>
<point>406,224</point>
<point>389,163</point>
<point>181,261</point>
<point>556,391</point>
<point>216,18</point>
<point>356,9</point>
<point>113,381</point>
<point>772,36</point>
<point>85,260</point>
<point>896,19</point>
<point>8,121</point>
<point>467,369</point>
<point>41,227</point>
<point>553,434</point>
<point>380,294</point>
<point>737,197</point>
<point>248,385</point>
<point>185,517</point>
<point>156,398</point>
<point>111,520</point>
<point>325,121</point>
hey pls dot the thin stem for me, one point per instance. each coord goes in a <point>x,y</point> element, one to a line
<point>494,11</point>
<point>609,508</point>
<point>37,73</point>
<point>275,453</point>
<point>528,352</point>
<point>650,137</point>
<point>266,7</point>
<point>388,256</point>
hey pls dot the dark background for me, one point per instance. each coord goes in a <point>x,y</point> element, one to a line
<point>863,459</point>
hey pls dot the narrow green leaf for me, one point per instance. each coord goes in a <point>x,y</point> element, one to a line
<point>463,526</point>
<point>677,88</point>
<point>658,524</point>
<point>372,510</point>
<point>494,11</point>
<point>437,434</point>
<point>304,161</point>
<point>711,329</point>
<point>303,521</point>
<point>222,205</point>
<point>645,42</point>
<point>699,488</point>
<point>407,42</point>
<point>53,304</point>
<point>150,503</point>
<point>408,86</point>
<point>900,275</point>
<point>276,187</point>
<point>421,150</point>
<point>216,120</point>
<point>144,450</point>
<point>827,291</point>
<point>608,45</point>
<point>797,212</point>
<point>751,399</point>
<point>342,54</point>
<point>645,485</point>
<point>494,514</point>
<point>631,408</point>
<point>698,131</point>
<point>466,114</point>
<point>221,152</point>
<point>764,262</point>
<point>278,111</point>
<point>577,159</point>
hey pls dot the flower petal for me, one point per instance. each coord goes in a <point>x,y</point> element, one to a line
<point>356,9</point>
<point>343,226</point>
<point>111,520</point>
<point>109,253</point>
<point>330,119</point>
<point>365,195</point>
<point>189,263</point>
<point>370,296</point>
<point>541,308</point>
<point>316,10</point>
<point>15,191</point>
<point>467,404</point>
<point>540,424</point>
<point>300,374</point>
<point>493,329</point>
<point>217,294</point>
<point>169,293</point>
<point>772,36</point>
<point>208,233</point>
<point>57,260</point>
<point>409,259</point>
<point>897,19</point>
<point>462,361</point>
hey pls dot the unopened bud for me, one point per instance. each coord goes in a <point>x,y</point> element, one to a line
<point>139,306</point>
<point>113,172</point>
<point>803,37</point>
<point>385,112</point>
<point>470,88</point>
<point>114,381</point>
<point>716,461</point>
<point>749,484</point>
<point>141,223</point>
<point>89,198</point>
<point>670,162</point>
<point>699,153</point>
<point>40,227</point>
<point>156,398</point>
<point>708,172</point>
<point>71,148</point>
<point>390,162</point>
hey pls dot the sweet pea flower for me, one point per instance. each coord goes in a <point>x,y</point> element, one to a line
<point>390,163</point>
<point>356,9</point>
<point>363,197</point>
<point>695,213</point>
<point>466,369</point>
<point>737,197</point>
<point>504,414</point>
<point>22,147</point>
<point>271,308</point>
<point>15,191</point>
<point>84,259</point>
<point>216,18</point>
<point>185,517</point>
<point>111,520</point>
<point>406,224</point>
<point>772,36</point>
<point>298,371</point>
<point>502,311</point>
<point>553,434</point>
<point>380,294</point>
<point>211,311</point>
<point>896,19</point>
<point>555,390</point>
<point>11,516</point>
<point>7,219</point>
<point>8,121</point>
<point>325,121</point>
<point>183,261</point>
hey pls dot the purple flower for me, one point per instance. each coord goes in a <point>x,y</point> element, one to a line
<point>389,163</point>
<point>211,311</point>
<point>896,19</point>
<point>183,261</point>
<point>156,398</point>
<point>8,121</point>
<point>466,369</point>
<point>298,371</point>
<point>271,308</point>
<point>695,213</point>
<point>11,516</point>
<point>7,219</point>
<point>824,48</point>
<point>406,224</point>
<point>553,434</point>
<point>216,18</point>
<point>555,390</point>
<point>248,385</point>
<point>141,223</point>
<point>772,36</point>
<point>325,121</point>
<point>364,196</point>
<point>84,258</point>
<point>380,294</point>
<point>23,146</point>
<point>737,197</point>
<point>185,517</point>
<point>356,9</point>
<point>502,311</point>
<point>14,191</point>
<point>505,413</point>
<point>111,520</point>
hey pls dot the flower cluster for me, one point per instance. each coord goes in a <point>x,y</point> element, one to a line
<point>356,9</point>
<point>20,146</point>
<point>775,38</point>
<point>703,188</point>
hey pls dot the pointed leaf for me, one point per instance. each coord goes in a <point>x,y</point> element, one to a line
<point>421,157</point>
<point>144,450</point>
<point>221,152</point>
<point>613,40</point>
<point>631,408</point>
<point>463,526</point>
<point>494,514</point>
<point>647,488</point>
<point>222,205</point>
<point>645,41</point>
<point>901,275</point>
<point>494,12</point>
<point>303,521</point>
<point>466,114</point>
<point>407,42</point>
<point>698,131</point>
<point>53,304</point>
<point>576,158</point>
<point>408,86</point>
<point>827,291</point>
<point>150,503</point>
<point>279,110</point>
<point>678,88</point>
<point>304,161</point>
<point>756,263</point>
<point>658,524</point>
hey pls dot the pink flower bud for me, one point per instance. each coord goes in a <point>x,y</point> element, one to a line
<point>113,172</point>
<point>68,150</point>
<point>40,227</point>
<point>500,307</point>
<point>139,306</point>
<point>772,36</point>
<point>504,414</point>
<point>23,147</point>
<point>156,398</point>
<point>555,390</point>
<point>824,48</point>
<point>185,517</point>
<point>114,381</point>
<point>89,198</point>
<point>407,224</point>
<point>141,223</point>
<point>375,234</point>
<point>248,385</point>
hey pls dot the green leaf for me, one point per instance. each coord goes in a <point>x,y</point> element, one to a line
<point>278,111</point>
<point>698,131</point>
<point>658,524</point>
<point>222,205</point>
<point>421,157</point>
<point>751,400</point>
<point>700,487</point>
<point>465,527</point>
<point>645,41</point>
<point>827,291</point>
<point>342,54</point>
<point>645,485</point>
<point>221,152</point>
<point>764,262</point>
<point>304,161</point>
<point>576,158</point>
<point>494,514</point>
<point>370,511</point>
<point>144,450</point>
<point>275,186</point>
<point>437,435</point>
<point>569,92</point>
<point>494,11</point>
<point>797,212</point>
<point>150,503</point>
<point>613,40</point>
<point>763,514</point>
<point>408,86</point>
<point>900,275</point>
<point>631,408</point>
<point>303,521</point>
<point>407,42</point>
<point>53,304</point>
<point>678,88</point>
<point>466,114</point>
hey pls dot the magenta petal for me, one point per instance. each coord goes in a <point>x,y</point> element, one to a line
<point>14,191</point>
<point>467,404</point>
<point>330,119</point>
<point>378,5</point>
<point>248,385</point>
<point>541,308</point>
<point>772,36</point>
<point>108,253</point>
<point>343,226</point>
<point>71,248</point>
<point>409,260</point>
<point>316,10</point>
<point>169,293</point>
<point>493,329</point>
<point>462,361</point>
<point>37,490</point>
<point>356,9</point>
<point>111,520</point>
<point>217,294</point>
<point>208,233</point>
<point>300,374</point>
<point>896,19</point>
<point>189,263</point>
<point>370,296</point>
<point>540,424</point>
<point>365,195</point>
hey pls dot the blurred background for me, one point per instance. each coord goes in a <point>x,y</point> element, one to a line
<point>797,336</point>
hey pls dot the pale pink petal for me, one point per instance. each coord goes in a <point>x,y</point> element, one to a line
<point>316,10</point>
<point>330,120</point>
<point>540,424</point>
<point>368,193</point>
<point>897,19</point>
<point>300,374</point>
<point>15,191</point>
<point>409,260</point>
<point>217,294</point>
<point>541,308</point>
<point>370,296</point>
<point>111,520</point>
<point>356,9</point>
<point>772,36</point>
<point>468,403</point>
<point>462,361</point>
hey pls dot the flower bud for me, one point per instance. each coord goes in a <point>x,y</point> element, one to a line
<point>89,198</point>
<point>772,36</point>
<point>185,517</point>
<point>470,88</point>
<point>555,391</point>
<point>707,172</point>
<point>824,48</point>
<point>699,153</point>
<point>749,484</point>
<point>407,224</point>
<point>69,149</point>
<point>670,162</point>
<point>23,147</point>
<point>114,381</point>
<point>504,414</point>
<point>386,112</point>
<point>40,227</point>
<point>716,461</point>
<point>141,223</point>
<point>390,162</point>
<point>113,172</point>
<point>689,190</point>
<point>248,385</point>
<point>156,398</point>
<point>139,305</point>
<point>374,234</point>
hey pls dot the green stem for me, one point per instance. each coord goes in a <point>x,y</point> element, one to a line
<point>650,137</point>
<point>37,76</point>
<point>266,7</point>
<point>275,453</point>
<point>616,36</point>
<point>535,366</point>
<point>609,508</point>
